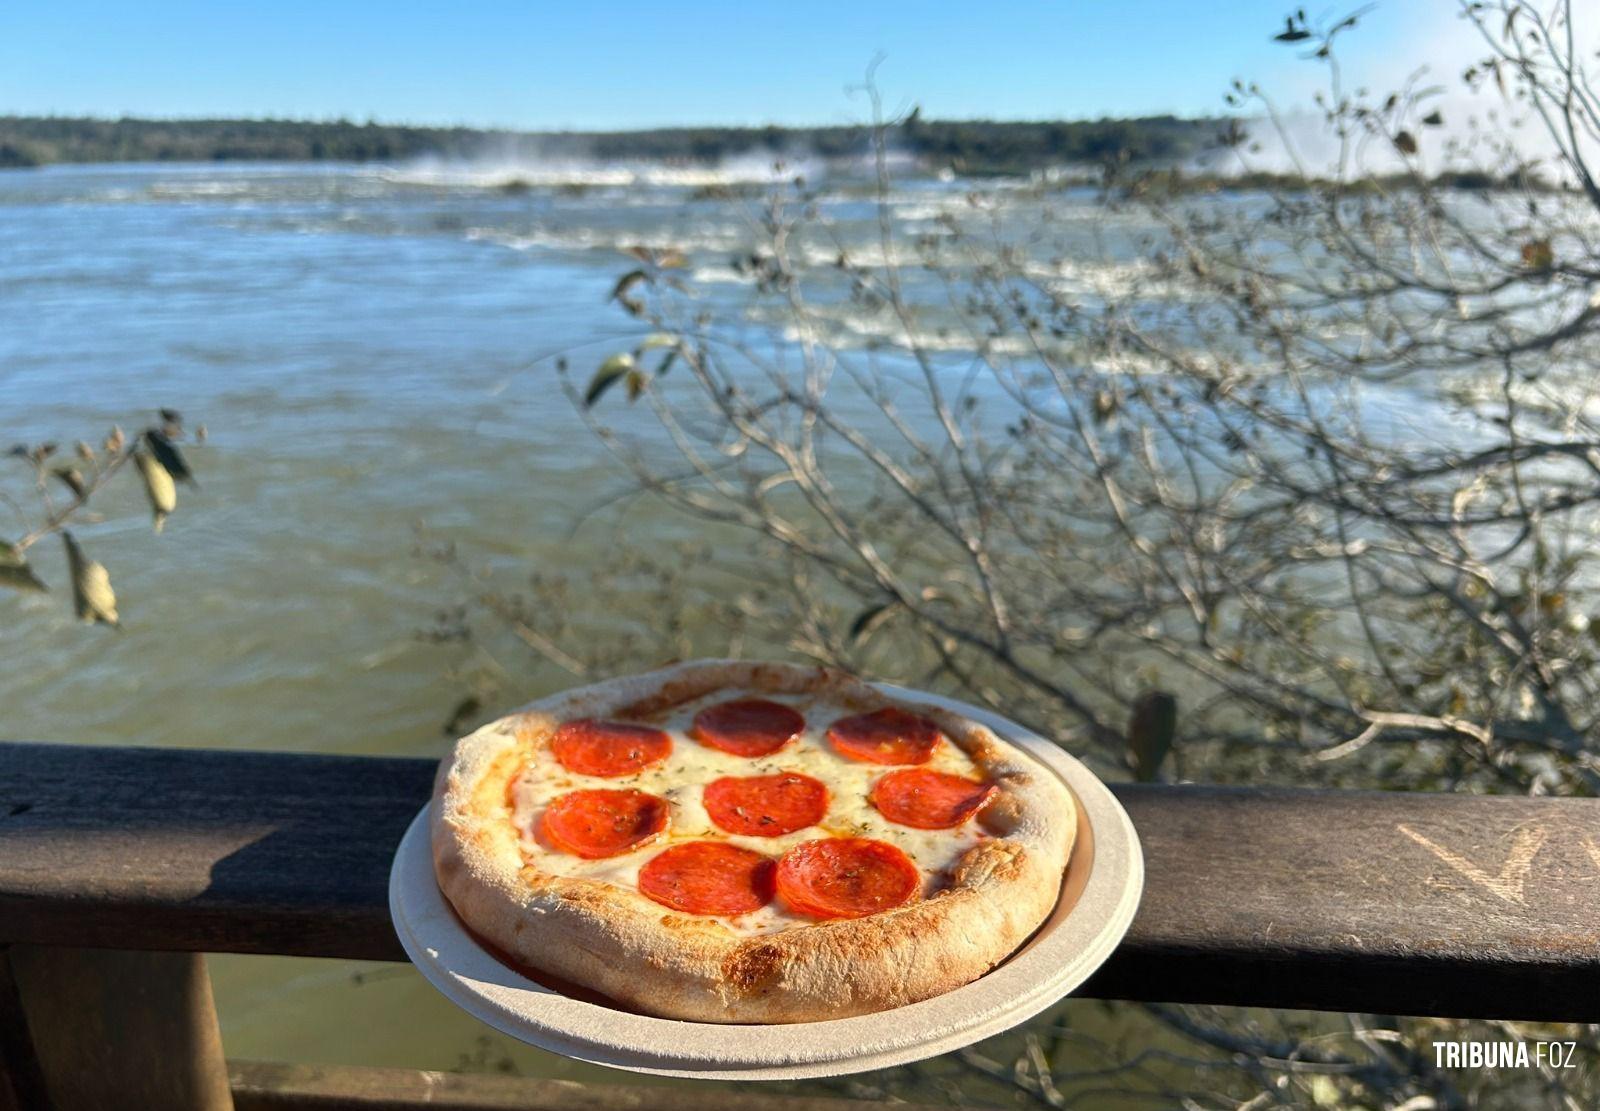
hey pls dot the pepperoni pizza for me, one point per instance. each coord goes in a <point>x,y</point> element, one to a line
<point>742,842</point>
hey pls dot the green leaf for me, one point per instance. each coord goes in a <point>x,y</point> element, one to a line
<point>656,340</point>
<point>607,376</point>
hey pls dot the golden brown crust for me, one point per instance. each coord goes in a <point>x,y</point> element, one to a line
<point>616,941</point>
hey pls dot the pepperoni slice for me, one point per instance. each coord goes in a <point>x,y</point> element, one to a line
<point>929,799</point>
<point>846,877</point>
<point>766,805</point>
<point>593,824</point>
<point>708,877</point>
<point>887,736</point>
<point>747,726</point>
<point>608,748</point>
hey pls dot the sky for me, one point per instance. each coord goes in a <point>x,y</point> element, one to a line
<point>618,65</point>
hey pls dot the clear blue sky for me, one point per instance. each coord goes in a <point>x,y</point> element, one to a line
<point>618,65</point>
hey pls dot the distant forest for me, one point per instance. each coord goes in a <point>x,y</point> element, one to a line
<point>968,146</point>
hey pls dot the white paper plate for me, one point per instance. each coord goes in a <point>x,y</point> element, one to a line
<point>1104,880</point>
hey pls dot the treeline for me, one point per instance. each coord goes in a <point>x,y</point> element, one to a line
<point>41,140</point>
<point>969,146</point>
<point>1174,181</point>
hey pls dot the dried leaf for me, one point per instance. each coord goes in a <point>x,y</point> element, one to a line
<point>92,597</point>
<point>15,572</point>
<point>607,376</point>
<point>870,619</point>
<point>73,479</point>
<point>1538,255</point>
<point>668,258</point>
<point>619,292</point>
<point>1294,29</point>
<point>168,455</point>
<point>635,381</point>
<point>1405,143</point>
<point>1151,729</point>
<point>158,487</point>
<point>464,712</point>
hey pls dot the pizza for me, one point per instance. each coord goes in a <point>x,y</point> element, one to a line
<point>725,841</point>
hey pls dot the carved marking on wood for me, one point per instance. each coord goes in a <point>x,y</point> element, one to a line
<point>1513,877</point>
<point>1593,847</point>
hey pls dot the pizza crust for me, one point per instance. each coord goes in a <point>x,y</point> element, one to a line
<point>655,960</point>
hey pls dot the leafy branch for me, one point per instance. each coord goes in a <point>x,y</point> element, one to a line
<point>61,486</point>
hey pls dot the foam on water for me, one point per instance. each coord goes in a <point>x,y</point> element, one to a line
<point>498,172</point>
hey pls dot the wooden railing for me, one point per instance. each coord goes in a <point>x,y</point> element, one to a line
<point>118,864</point>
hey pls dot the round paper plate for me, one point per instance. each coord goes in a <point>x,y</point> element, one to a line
<point>1104,880</point>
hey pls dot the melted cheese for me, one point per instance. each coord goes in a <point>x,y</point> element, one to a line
<point>680,778</point>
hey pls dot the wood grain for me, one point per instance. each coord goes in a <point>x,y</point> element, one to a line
<point>21,1079</point>
<point>112,1030</point>
<point>263,1086</point>
<point>1387,902</point>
